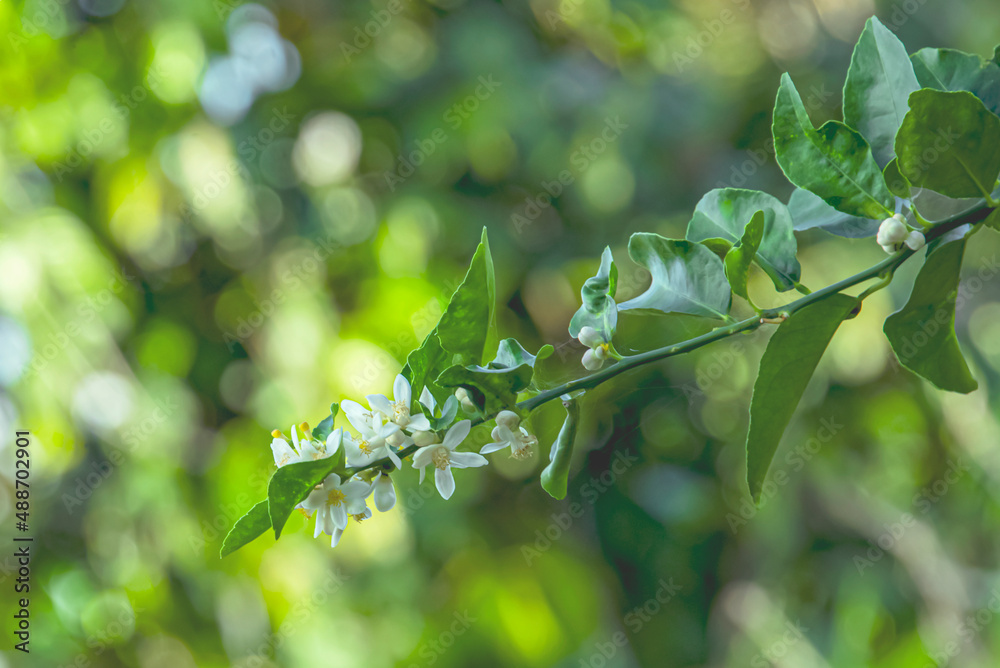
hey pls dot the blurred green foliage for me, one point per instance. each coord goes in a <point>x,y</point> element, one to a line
<point>215,219</point>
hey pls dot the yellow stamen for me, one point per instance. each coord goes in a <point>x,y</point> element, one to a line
<point>441,459</point>
<point>335,497</point>
<point>277,434</point>
<point>365,447</point>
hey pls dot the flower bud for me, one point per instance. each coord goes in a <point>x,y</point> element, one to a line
<point>591,361</point>
<point>396,439</point>
<point>424,438</point>
<point>915,240</point>
<point>465,400</point>
<point>589,337</point>
<point>508,419</point>
<point>892,231</point>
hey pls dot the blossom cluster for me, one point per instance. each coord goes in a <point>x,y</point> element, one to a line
<point>383,431</point>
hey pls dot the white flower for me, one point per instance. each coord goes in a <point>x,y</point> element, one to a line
<point>398,410</point>
<point>357,415</point>
<point>443,457</point>
<point>372,444</point>
<point>507,433</point>
<point>593,359</point>
<point>892,232</point>
<point>385,493</point>
<point>915,240</point>
<point>334,502</point>
<point>302,449</point>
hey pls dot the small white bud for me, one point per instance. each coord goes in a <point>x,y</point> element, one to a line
<point>601,352</point>
<point>508,419</point>
<point>465,400</point>
<point>424,438</point>
<point>892,231</point>
<point>591,361</point>
<point>396,439</point>
<point>915,240</point>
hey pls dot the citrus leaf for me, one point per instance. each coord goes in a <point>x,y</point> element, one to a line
<point>598,310</point>
<point>808,211</point>
<point>740,257</point>
<point>291,484</point>
<point>247,528</point>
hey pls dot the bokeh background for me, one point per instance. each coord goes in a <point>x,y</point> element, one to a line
<point>216,218</point>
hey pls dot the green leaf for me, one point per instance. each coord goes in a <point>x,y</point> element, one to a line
<point>922,333</point>
<point>246,529</point>
<point>555,476</point>
<point>464,326</point>
<point>291,484</point>
<point>686,277</point>
<point>834,162</point>
<point>598,310</point>
<point>809,211</point>
<point>323,429</point>
<point>879,81</point>
<point>897,184</point>
<point>718,246</point>
<point>460,334</point>
<point>785,369</point>
<point>948,143</point>
<point>493,390</point>
<point>724,212</point>
<point>738,260</point>
<point>950,70</point>
<point>510,353</point>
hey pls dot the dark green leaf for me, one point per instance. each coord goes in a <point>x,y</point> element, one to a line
<point>555,476</point>
<point>809,211</point>
<point>246,529</point>
<point>897,185</point>
<point>950,70</point>
<point>598,309</point>
<point>291,484</point>
<point>686,277</point>
<point>948,143</point>
<point>834,162</point>
<point>738,260</point>
<point>922,333</point>
<point>879,81</point>
<point>724,212</point>
<point>785,369</point>
<point>323,429</point>
<point>425,363</point>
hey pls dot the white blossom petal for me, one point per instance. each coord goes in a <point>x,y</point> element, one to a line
<point>589,337</point>
<point>445,482</point>
<point>464,460</point>
<point>492,447</point>
<point>458,432</point>
<point>380,403</point>
<point>338,513</point>
<point>335,537</point>
<point>359,416</point>
<point>401,391</point>
<point>418,422</point>
<point>385,493</point>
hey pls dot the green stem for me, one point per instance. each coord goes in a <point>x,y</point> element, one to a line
<point>883,270</point>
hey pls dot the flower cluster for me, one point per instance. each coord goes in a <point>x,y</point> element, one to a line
<point>383,431</point>
<point>894,233</point>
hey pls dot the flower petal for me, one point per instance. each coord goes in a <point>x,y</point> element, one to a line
<point>338,514</point>
<point>428,400</point>
<point>401,391</point>
<point>335,537</point>
<point>418,422</point>
<point>394,458</point>
<point>359,416</point>
<point>463,460</point>
<point>385,493</point>
<point>445,482</point>
<point>457,434</point>
<point>380,403</point>
<point>424,456</point>
<point>491,447</point>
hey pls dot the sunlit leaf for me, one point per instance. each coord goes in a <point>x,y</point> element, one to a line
<point>291,484</point>
<point>725,212</point>
<point>247,528</point>
<point>686,277</point>
<point>834,162</point>
<point>740,257</point>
